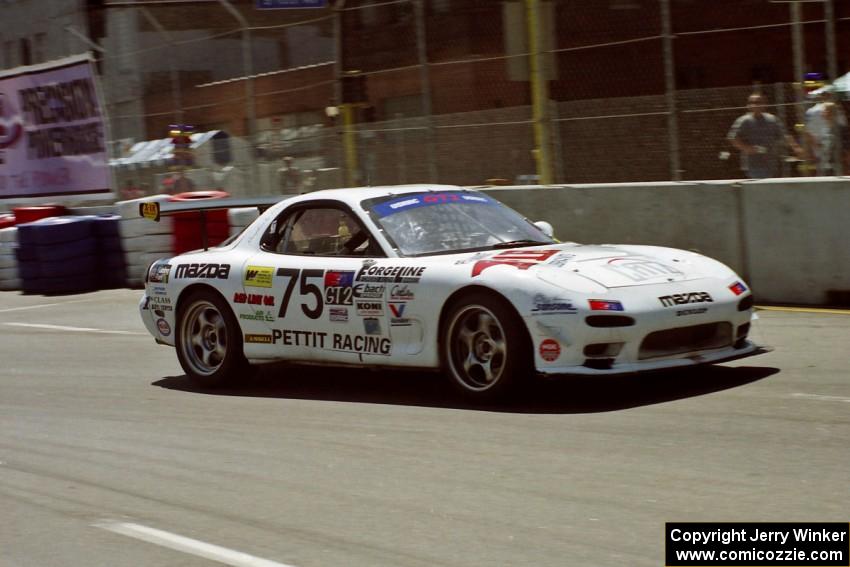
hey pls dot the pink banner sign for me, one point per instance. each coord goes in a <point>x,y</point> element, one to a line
<point>52,131</point>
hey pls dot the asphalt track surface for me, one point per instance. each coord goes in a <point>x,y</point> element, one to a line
<point>110,457</point>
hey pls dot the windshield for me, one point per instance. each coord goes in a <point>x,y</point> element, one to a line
<point>452,221</point>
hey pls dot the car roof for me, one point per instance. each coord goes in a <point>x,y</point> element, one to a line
<point>352,196</point>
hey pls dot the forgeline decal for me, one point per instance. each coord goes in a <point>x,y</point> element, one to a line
<point>390,274</point>
<point>369,291</point>
<point>159,273</point>
<point>253,299</point>
<point>369,308</point>
<point>264,316</point>
<point>163,327</point>
<point>641,269</point>
<point>401,292</point>
<point>209,271</point>
<point>683,298</point>
<point>259,339</point>
<point>519,259</point>
<point>341,342</point>
<point>550,350</point>
<point>258,276</point>
<point>544,305</point>
<point>338,314</point>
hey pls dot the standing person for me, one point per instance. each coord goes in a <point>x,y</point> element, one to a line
<point>825,124</point>
<point>761,138</point>
<point>289,177</point>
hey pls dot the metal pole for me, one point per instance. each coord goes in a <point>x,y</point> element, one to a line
<point>248,65</point>
<point>175,78</point>
<point>425,81</point>
<point>670,89</point>
<point>799,60</point>
<point>539,95</point>
<point>349,142</point>
<point>338,70</point>
<point>832,65</point>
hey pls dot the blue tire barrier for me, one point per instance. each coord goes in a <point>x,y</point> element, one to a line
<point>29,269</point>
<point>26,254</point>
<point>67,250</point>
<point>54,230</point>
<point>70,268</point>
<point>110,245</point>
<point>106,226</point>
<point>112,260</point>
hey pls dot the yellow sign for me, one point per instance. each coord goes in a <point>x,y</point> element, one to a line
<point>149,210</point>
<point>258,276</point>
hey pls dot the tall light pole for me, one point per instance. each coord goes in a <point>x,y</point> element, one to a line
<point>248,66</point>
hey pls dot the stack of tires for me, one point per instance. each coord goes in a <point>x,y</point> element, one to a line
<point>9,279</point>
<point>187,226</point>
<point>239,219</point>
<point>143,240</point>
<point>58,255</point>
<point>110,252</point>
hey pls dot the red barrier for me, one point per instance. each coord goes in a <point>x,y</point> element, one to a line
<point>29,214</point>
<point>187,226</point>
<point>7,221</point>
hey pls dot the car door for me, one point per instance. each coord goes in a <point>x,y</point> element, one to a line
<point>305,278</point>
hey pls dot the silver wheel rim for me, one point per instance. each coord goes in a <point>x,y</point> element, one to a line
<point>477,350</point>
<point>204,337</point>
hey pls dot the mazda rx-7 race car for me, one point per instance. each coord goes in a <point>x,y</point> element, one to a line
<point>438,277</point>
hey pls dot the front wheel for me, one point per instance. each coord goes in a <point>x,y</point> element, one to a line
<point>209,341</point>
<point>485,350</point>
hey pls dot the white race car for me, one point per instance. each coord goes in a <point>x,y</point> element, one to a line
<point>437,277</point>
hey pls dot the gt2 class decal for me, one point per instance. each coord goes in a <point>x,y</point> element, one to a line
<point>258,276</point>
<point>208,271</point>
<point>390,274</point>
<point>342,342</point>
<point>339,287</point>
<point>683,298</point>
<point>550,350</point>
<point>641,269</point>
<point>519,259</point>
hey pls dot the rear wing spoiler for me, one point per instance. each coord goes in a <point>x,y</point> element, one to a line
<point>154,210</point>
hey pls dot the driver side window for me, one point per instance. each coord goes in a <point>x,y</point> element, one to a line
<point>322,231</point>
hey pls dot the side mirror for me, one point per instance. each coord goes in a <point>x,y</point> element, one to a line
<point>546,228</point>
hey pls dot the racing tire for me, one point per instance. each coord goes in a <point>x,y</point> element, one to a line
<point>485,350</point>
<point>209,340</point>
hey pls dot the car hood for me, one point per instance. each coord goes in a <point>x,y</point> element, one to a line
<point>610,266</point>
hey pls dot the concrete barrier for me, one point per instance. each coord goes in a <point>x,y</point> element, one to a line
<point>789,238</point>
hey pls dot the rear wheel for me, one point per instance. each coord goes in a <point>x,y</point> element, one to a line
<point>209,341</point>
<point>485,350</point>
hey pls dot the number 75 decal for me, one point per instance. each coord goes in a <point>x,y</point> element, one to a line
<point>305,288</point>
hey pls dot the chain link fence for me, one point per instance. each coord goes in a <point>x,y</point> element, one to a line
<point>406,91</point>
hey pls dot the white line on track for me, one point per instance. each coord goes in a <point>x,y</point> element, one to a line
<point>43,305</point>
<point>71,329</point>
<point>821,398</point>
<point>187,545</point>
